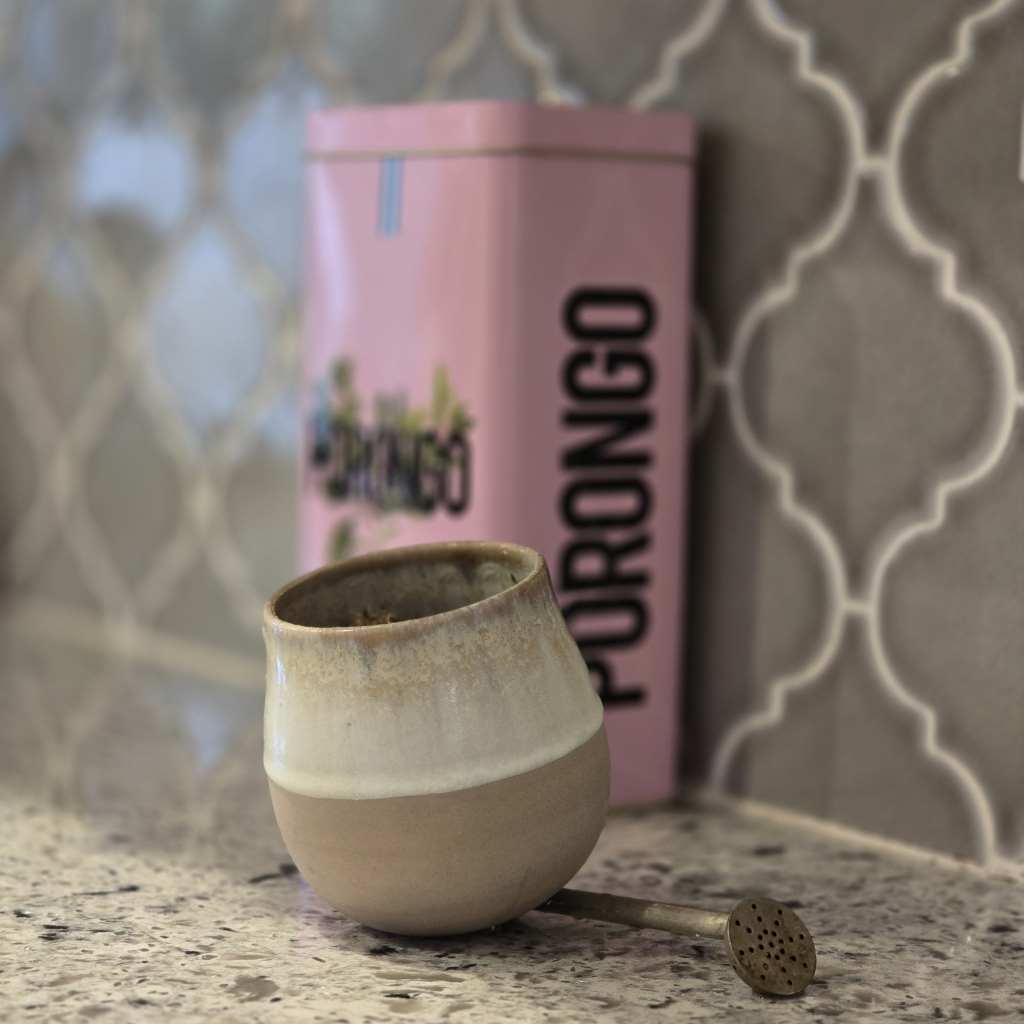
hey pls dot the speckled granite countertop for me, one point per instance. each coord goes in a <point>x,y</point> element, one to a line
<point>142,874</point>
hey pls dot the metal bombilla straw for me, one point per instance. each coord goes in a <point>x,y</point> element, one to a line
<point>769,947</point>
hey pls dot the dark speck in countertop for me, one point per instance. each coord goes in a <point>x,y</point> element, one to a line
<point>283,871</point>
<point>110,892</point>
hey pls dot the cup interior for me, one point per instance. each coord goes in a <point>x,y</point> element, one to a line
<point>403,584</point>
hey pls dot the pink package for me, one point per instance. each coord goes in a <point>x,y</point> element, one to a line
<point>496,347</point>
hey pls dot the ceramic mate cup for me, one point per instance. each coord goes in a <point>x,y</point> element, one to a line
<point>435,750</point>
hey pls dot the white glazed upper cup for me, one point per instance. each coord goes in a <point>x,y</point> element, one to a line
<point>443,772</point>
<point>479,680</point>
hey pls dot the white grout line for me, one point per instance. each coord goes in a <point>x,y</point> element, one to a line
<point>675,51</point>
<point>997,338</point>
<point>761,308</point>
<point>801,40</point>
<point>532,51</point>
<point>88,631</point>
<point>459,51</point>
<point>38,430</point>
<point>1001,868</point>
<point>885,168</point>
<point>779,691</point>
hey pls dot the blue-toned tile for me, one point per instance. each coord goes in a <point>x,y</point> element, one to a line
<point>207,331</point>
<point>263,171</point>
<point>134,179</point>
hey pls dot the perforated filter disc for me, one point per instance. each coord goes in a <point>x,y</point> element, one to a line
<point>770,947</point>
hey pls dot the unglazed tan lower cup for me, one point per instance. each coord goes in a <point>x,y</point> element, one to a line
<point>436,752</point>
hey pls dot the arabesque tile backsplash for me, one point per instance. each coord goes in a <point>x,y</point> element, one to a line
<point>856,628</point>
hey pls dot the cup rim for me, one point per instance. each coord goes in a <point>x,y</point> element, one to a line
<point>433,551</point>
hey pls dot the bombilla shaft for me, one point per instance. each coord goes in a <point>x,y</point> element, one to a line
<point>666,917</point>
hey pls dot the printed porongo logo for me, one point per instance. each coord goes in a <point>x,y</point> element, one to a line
<point>403,459</point>
<point>606,499</point>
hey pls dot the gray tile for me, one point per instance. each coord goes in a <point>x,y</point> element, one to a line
<point>962,169</point>
<point>51,694</point>
<point>66,330</point>
<point>263,170</point>
<point>609,47</point>
<point>207,331</point>
<point>22,177</point>
<point>18,476</point>
<point>385,46</point>
<point>11,17</point>
<point>57,577</point>
<point>261,499</point>
<point>68,686</point>
<point>211,721</point>
<point>133,490</point>
<point>757,594</point>
<point>845,750</point>
<point>877,49</point>
<point>133,731</point>
<point>771,163</point>
<point>492,72</point>
<point>239,803</point>
<point>106,732</point>
<point>702,390</point>
<point>954,625</point>
<point>214,50</point>
<point>20,737</point>
<point>66,50</point>
<point>62,675</point>
<point>201,611</point>
<point>868,385</point>
<point>134,178</point>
